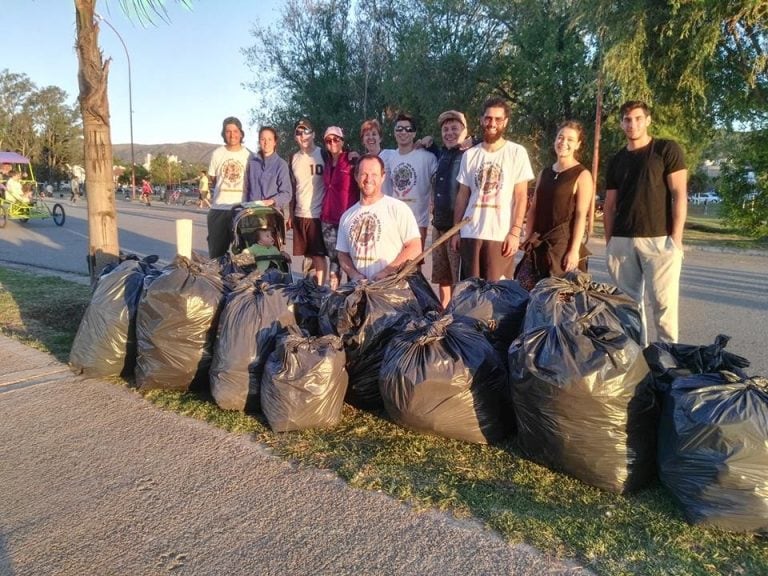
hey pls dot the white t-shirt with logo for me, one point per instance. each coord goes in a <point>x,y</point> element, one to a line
<point>228,167</point>
<point>374,235</point>
<point>307,172</point>
<point>491,178</point>
<point>409,178</point>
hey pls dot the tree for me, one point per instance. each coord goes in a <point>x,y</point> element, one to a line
<point>743,185</point>
<point>708,58</point>
<point>38,123</point>
<point>309,74</point>
<point>15,91</point>
<point>57,126</point>
<point>357,60</point>
<point>93,74</point>
<point>163,171</point>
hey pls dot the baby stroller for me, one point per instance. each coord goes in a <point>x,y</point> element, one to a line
<point>258,238</point>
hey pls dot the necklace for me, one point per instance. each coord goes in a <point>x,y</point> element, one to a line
<point>557,173</point>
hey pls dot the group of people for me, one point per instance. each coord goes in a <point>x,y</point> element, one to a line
<point>363,215</point>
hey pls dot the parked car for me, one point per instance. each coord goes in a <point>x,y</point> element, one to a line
<point>704,198</point>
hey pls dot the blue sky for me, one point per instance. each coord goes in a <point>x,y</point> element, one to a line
<point>186,75</point>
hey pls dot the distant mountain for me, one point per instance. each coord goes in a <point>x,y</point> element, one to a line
<point>190,152</point>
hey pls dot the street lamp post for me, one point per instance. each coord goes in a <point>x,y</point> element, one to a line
<point>101,18</point>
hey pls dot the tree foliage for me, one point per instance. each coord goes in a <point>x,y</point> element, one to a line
<point>743,185</point>
<point>700,64</point>
<point>40,124</point>
<point>163,171</point>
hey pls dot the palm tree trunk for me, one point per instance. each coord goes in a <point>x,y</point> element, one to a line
<point>103,247</point>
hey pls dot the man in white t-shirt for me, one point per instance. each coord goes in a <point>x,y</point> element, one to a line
<point>410,171</point>
<point>227,168</point>
<point>307,201</point>
<point>379,233</point>
<point>493,193</point>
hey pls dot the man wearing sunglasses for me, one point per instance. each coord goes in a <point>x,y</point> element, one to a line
<point>307,199</point>
<point>410,170</point>
<point>493,193</point>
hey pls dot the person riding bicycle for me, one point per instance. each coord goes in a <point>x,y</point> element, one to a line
<point>14,191</point>
<point>146,192</point>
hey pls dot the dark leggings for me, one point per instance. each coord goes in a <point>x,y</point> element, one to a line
<point>219,232</point>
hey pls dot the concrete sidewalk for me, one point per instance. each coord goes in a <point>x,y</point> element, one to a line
<point>96,480</point>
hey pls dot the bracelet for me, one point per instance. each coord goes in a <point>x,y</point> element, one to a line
<point>514,235</point>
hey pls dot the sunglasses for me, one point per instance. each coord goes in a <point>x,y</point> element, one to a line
<point>408,129</point>
<point>302,131</point>
<point>333,139</point>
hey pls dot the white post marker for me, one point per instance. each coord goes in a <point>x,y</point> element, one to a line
<point>184,237</point>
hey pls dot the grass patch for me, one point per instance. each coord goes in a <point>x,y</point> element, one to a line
<point>643,533</point>
<point>707,229</point>
<point>42,311</point>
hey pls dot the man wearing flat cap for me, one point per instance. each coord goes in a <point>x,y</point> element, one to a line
<point>445,262</point>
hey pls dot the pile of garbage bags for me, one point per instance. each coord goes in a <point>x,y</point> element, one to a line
<point>559,370</point>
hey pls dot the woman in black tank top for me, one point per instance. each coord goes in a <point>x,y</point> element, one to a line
<point>557,216</point>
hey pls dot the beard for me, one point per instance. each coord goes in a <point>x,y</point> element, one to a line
<point>491,138</point>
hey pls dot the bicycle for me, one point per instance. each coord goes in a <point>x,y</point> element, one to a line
<point>176,198</point>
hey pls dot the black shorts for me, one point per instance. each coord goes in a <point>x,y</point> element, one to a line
<point>308,237</point>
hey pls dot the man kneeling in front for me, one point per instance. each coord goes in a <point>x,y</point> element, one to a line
<point>379,233</point>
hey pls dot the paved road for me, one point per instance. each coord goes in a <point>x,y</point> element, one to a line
<point>721,292</point>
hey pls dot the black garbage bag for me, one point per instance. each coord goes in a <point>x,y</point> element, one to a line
<point>495,308</point>
<point>443,377</point>
<point>332,309</point>
<point>304,383</point>
<point>149,261</point>
<point>585,294</point>
<point>713,450</point>
<point>176,325</point>
<point>422,289</point>
<point>105,343</point>
<point>370,315</point>
<point>254,315</point>
<point>582,395</point>
<point>307,298</point>
<point>671,361</point>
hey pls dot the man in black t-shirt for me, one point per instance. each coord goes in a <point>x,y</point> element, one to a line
<point>645,210</point>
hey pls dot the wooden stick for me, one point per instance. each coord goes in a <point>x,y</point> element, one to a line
<point>411,265</point>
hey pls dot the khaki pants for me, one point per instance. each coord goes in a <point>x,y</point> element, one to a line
<point>649,265</point>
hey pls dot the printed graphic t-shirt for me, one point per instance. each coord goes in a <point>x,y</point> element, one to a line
<point>491,178</point>
<point>374,235</point>
<point>229,170</point>
<point>409,178</point>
